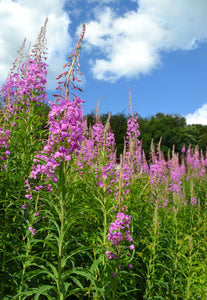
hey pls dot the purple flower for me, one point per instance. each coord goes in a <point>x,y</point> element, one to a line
<point>131,247</point>
<point>104,175</point>
<point>193,201</point>
<point>119,230</point>
<point>4,144</point>
<point>32,230</point>
<point>114,274</point>
<point>183,149</point>
<point>113,256</point>
<point>47,148</point>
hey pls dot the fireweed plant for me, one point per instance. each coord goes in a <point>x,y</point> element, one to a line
<point>50,191</point>
<point>22,123</point>
<point>74,224</point>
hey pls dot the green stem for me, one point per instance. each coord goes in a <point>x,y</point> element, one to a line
<point>176,257</point>
<point>115,287</point>
<point>151,267</point>
<point>28,248</point>
<point>61,234</point>
<point>105,221</point>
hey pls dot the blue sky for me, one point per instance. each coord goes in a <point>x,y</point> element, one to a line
<point>156,48</point>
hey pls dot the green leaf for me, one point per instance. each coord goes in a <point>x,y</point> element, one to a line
<point>26,293</point>
<point>76,281</point>
<point>96,263</point>
<point>42,291</point>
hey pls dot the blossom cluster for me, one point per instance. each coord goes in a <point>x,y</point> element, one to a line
<point>158,172</point>
<point>132,128</point>
<point>120,229</point>
<point>132,159</point>
<point>97,151</point>
<point>176,173</point>
<point>4,144</point>
<point>29,85</point>
<point>119,234</point>
<point>66,127</point>
<point>66,135</point>
<point>196,163</point>
<point>26,81</point>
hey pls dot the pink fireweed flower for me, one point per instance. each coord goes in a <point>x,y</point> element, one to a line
<point>101,184</point>
<point>176,174</point>
<point>194,162</point>
<point>65,138</point>
<point>31,81</point>
<point>104,175</point>
<point>112,256</point>
<point>4,145</point>
<point>158,172</point>
<point>98,133</point>
<point>193,201</point>
<point>183,149</point>
<point>119,228</point>
<point>131,247</point>
<point>132,127</point>
<point>132,161</point>
<point>32,230</point>
<point>49,188</point>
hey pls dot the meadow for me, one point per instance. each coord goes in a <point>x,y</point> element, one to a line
<point>74,224</point>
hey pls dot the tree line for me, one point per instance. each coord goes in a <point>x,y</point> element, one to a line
<point>172,129</point>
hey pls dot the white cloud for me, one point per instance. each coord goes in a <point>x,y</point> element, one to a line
<point>184,22</point>
<point>198,117</point>
<point>131,44</point>
<point>24,18</point>
<point>102,1</point>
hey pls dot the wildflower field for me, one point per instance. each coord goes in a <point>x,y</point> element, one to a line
<point>74,224</point>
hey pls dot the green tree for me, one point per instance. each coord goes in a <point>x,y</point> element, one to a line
<point>171,128</point>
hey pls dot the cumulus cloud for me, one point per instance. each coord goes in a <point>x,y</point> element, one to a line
<point>131,44</point>
<point>23,19</point>
<point>102,1</point>
<point>198,117</point>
